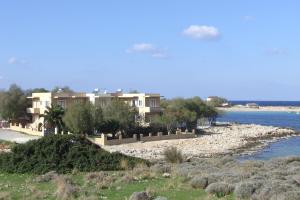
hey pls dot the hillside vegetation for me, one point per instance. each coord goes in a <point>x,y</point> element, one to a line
<point>61,153</point>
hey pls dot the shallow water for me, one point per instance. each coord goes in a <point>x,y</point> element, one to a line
<point>284,147</point>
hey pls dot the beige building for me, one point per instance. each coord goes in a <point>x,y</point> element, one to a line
<point>147,105</point>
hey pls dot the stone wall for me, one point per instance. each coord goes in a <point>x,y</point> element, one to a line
<point>102,140</point>
<point>25,130</point>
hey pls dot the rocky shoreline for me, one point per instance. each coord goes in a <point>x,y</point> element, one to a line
<point>215,141</point>
<point>241,108</point>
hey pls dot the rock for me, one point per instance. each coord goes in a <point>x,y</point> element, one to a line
<point>139,196</point>
<point>189,159</point>
<point>166,175</point>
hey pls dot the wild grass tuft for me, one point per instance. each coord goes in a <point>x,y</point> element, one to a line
<point>173,155</point>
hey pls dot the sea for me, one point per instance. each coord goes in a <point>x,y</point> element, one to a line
<point>280,148</point>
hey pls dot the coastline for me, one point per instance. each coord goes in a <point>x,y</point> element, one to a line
<point>233,139</point>
<point>237,108</point>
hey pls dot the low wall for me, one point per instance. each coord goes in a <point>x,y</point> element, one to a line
<point>102,140</point>
<point>160,136</point>
<point>25,130</point>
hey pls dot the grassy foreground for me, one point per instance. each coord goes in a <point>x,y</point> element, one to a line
<point>25,186</point>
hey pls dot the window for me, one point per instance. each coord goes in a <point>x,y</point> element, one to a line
<point>152,103</point>
<point>36,104</point>
<point>140,103</point>
<point>47,103</point>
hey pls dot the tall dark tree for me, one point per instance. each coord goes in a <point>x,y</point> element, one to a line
<point>13,104</point>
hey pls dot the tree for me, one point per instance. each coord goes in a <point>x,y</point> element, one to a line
<point>181,112</point>
<point>133,91</point>
<point>54,117</point>
<point>13,104</point>
<point>97,117</point>
<point>63,89</point>
<point>167,119</point>
<point>79,118</point>
<point>36,90</point>
<point>109,126</point>
<point>217,101</point>
<point>120,112</point>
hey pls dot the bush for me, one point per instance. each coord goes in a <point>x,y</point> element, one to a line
<point>244,190</point>
<point>160,168</point>
<point>220,189</point>
<point>173,155</point>
<point>289,195</point>
<point>154,129</point>
<point>199,182</point>
<point>273,188</point>
<point>61,153</point>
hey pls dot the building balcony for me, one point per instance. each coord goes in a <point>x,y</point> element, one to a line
<point>33,110</point>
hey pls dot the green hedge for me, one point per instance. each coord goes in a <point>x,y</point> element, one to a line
<point>61,153</point>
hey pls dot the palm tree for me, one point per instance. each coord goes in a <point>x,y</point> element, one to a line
<point>53,117</point>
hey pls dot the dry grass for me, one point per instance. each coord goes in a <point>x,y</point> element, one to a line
<point>49,176</point>
<point>5,196</point>
<point>173,155</point>
<point>102,180</point>
<point>124,164</point>
<point>66,189</point>
<point>35,193</point>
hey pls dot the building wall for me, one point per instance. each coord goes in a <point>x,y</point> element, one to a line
<point>148,105</point>
<point>65,102</point>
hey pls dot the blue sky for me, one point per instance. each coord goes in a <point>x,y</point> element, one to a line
<point>235,49</point>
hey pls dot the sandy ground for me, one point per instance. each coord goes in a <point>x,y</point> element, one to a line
<point>216,141</point>
<point>14,136</point>
<point>262,108</point>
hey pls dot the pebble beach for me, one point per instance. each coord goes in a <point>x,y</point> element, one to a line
<point>218,140</point>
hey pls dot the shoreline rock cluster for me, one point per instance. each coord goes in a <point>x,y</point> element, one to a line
<point>242,108</point>
<point>215,141</point>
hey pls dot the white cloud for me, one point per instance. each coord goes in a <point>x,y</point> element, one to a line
<point>248,18</point>
<point>14,60</point>
<point>202,32</point>
<point>276,51</point>
<point>147,48</point>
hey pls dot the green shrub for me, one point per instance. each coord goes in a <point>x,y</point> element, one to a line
<point>173,155</point>
<point>61,153</point>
